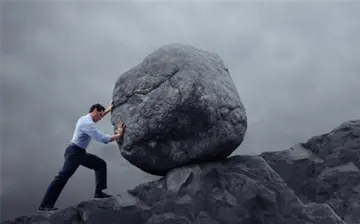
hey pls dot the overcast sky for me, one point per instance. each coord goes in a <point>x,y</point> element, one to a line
<point>296,67</point>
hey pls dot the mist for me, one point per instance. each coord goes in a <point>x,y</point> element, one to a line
<point>295,65</point>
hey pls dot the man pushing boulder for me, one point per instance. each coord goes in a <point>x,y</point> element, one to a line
<point>76,155</point>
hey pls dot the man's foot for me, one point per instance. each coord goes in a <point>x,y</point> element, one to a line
<point>102,195</point>
<point>47,209</point>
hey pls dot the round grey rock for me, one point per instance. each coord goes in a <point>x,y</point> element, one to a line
<point>180,107</point>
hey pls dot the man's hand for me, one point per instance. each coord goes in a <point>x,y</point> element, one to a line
<point>119,131</point>
<point>120,128</point>
<point>110,107</point>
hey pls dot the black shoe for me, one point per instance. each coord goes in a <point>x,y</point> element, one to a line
<point>47,209</point>
<point>102,195</point>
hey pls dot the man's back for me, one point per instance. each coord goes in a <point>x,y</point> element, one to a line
<point>85,130</point>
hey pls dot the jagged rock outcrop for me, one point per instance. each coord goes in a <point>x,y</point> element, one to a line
<point>238,190</point>
<point>181,107</point>
<point>325,169</point>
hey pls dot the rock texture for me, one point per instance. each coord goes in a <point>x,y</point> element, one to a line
<point>238,190</point>
<point>325,169</point>
<point>181,107</point>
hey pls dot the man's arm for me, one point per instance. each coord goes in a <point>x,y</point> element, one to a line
<point>108,109</point>
<point>116,136</point>
<point>95,133</point>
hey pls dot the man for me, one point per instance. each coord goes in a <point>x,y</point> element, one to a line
<point>76,155</point>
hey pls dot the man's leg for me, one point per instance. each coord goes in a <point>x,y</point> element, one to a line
<point>71,163</point>
<point>99,166</point>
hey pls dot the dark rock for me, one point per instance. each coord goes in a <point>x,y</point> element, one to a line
<point>241,189</point>
<point>118,209</point>
<point>181,107</point>
<point>325,169</point>
<point>238,190</point>
<point>68,215</point>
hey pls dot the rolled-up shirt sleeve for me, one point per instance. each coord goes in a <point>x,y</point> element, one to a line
<point>95,133</point>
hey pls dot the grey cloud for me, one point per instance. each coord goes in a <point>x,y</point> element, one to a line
<point>295,66</point>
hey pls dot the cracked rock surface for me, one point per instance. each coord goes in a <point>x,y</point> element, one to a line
<point>180,107</point>
<point>237,190</point>
<point>325,169</point>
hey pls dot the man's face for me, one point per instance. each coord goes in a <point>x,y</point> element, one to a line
<point>98,115</point>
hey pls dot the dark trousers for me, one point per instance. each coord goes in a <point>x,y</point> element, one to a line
<point>74,157</point>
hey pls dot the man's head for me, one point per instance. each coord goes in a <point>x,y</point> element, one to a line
<point>96,111</point>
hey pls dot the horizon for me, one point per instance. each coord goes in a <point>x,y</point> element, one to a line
<point>295,66</point>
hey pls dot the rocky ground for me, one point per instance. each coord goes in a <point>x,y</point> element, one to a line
<point>325,169</point>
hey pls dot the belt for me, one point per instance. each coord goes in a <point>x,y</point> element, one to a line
<point>73,144</point>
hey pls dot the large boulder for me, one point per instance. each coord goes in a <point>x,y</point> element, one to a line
<point>325,169</point>
<point>180,106</point>
<point>237,190</point>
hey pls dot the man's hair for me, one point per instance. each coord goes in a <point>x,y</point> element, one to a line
<point>97,106</point>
